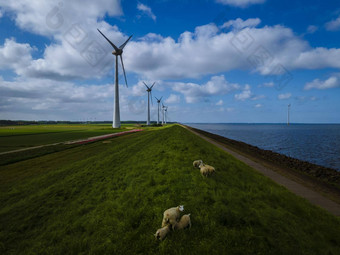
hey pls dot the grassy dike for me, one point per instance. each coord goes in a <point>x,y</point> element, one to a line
<point>109,198</point>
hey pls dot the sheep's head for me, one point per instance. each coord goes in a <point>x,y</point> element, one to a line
<point>181,208</point>
<point>201,164</point>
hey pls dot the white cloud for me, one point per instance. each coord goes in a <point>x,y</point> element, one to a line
<point>284,96</point>
<point>220,102</point>
<point>331,82</point>
<point>147,10</point>
<point>167,58</point>
<point>245,94</point>
<point>258,105</point>
<point>333,25</point>
<point>238,23</point>
<point>49,17</point>
<point>240,3</point>
<point>194,92</point>
<point>312,29</point>
<point>15,55</point>
<point>1,13</point>
<point>173,99</point>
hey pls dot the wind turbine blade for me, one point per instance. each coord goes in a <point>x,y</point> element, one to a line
<point>114,46</point>
<point>123,45</point>
<point>152,85</point>
<point>161,98</point>
<point>157,99</point>
<point>121,59</point>
<point>151,97</point>
<point>146,85</point>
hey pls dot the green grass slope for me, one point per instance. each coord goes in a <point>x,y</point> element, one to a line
<point>109,198</point>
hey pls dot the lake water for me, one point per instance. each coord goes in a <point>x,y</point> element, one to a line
<point>315,143</point>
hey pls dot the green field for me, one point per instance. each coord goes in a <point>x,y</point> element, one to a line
<point>18,137</point>
<point>109,198</point>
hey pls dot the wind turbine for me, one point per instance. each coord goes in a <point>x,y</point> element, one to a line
<point>149,89</point>
<point>158,102</point>
<point>165,109</point>
<point>288,114</point>
<point>166,112</point>
<point>117,52</point>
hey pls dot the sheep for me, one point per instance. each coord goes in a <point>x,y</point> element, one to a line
<point>206,170</point>
<point>171,215</point>
<point>162,232</point>
<point>197,163</point>
<point>183,223</point>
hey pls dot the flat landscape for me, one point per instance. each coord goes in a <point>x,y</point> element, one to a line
<point>108,197</point>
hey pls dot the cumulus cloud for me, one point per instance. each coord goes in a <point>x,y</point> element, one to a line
<point>15,55</point>
<point>194,92</point>
<point>284,96</point>
<point>49,17</point>
<point>240,3</point>
<point>258,105</point>
<point>331,82</point>
<point>238,23</point>
<point>79,52</point>
<point>333,25</point>
<point>245,94</point>
<point>47,99</point>
<point>173,99</point>
<point>146,10</point>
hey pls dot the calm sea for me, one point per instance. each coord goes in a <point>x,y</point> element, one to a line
<point>315,143</point>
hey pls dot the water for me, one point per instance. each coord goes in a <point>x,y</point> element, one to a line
<point>315,143</point>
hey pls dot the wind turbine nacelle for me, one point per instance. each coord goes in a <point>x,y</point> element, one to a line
<point>117,53</point>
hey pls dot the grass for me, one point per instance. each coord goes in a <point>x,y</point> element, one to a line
<point>18,137</point>
<point>109,198</point>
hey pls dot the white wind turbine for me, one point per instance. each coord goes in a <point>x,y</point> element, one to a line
<point>149,90</point>
<point>159,107</point>
<point>165,109</point>
<point>117,52</point>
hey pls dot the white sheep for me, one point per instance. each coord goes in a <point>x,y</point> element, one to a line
<point>183,223</point>
<point>197,163</point>
<point>162,232</point>
<point>171,215</point>
<point>206,170</point>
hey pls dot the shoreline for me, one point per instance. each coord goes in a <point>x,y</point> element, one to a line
<point>320,179</point>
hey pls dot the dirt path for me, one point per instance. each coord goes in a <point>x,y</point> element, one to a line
<point>297,188</point>
<point>81,141</point>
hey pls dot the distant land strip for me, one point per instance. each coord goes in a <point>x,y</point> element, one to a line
<point>81,141</point>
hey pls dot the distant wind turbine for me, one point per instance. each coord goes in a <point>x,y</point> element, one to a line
<point>288,114</point>
<point>158,102</point>
<point>165,109</point>
<point>149,90</point>
<point>117,52</point>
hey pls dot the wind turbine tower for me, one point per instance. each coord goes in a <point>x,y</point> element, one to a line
<point>288,113</point>
<point>149,90</point>
<point>117,52</point>
<point>159,107</point>
<point>165,109</point>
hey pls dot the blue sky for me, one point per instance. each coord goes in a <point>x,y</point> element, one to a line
<point>212,61</point>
